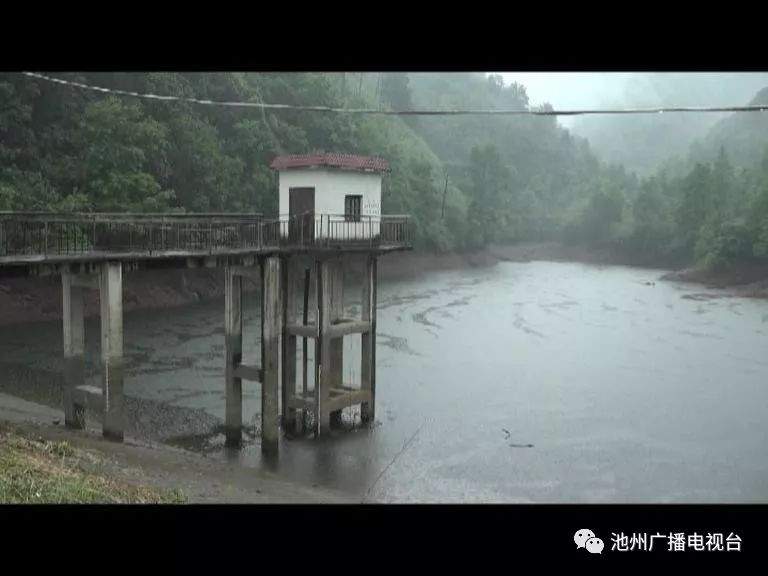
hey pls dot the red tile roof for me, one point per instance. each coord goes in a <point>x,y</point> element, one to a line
<point>343,161</point>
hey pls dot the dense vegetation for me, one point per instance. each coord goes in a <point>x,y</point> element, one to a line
<point>708,206</point>
<point>69,149</point>
<point>468,181</point>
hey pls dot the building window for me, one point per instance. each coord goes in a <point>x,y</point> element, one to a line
<point>352,206</point>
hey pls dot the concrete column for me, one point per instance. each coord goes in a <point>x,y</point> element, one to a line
<point>305,321</point>
<point>368,348</point>
<point>271,320</point>
<point>233,335</point>
<point>289,285</point>
<point>336,268</point>
<point>322,349</point>
<point>111,297</point>
<point>74,349</point>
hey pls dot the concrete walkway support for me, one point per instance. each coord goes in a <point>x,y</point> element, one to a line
<point>111,297</point>
<point>77,396</point>
<point>269,276</point>
<point>368,348</point>
<point>323,348</point>
<point>282,279</point>
<point>329,327</point>
<point>74,348</point>
<point>336,313</point>
<point>271,324</point>
<point>290,288</point>
<point>305,341</point>
<point>233,335</point>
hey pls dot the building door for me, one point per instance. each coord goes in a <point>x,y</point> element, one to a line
<point>301,212</point>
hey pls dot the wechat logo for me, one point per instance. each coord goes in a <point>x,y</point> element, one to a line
<point>586,539</point>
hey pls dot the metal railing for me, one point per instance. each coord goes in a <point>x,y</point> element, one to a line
<point>332,230</point>
<point>55,234</point>
<point>71,234</point>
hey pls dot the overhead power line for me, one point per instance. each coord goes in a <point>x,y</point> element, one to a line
<point>409,112</point>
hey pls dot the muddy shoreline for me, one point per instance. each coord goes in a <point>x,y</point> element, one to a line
<point>201,479</point>
<point>24,300</point>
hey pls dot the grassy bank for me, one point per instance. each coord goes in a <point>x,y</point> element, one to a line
<point>38,471</point>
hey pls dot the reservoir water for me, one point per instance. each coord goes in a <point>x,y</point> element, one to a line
<point>522,382</point>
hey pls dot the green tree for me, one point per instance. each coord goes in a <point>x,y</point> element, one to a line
<point>490,181</point>
<point>653,226</point>
<point>603,212</point>
<point>695,205</point>
<point>120,150</point>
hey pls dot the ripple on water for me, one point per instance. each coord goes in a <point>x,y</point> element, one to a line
<point>397,343</point>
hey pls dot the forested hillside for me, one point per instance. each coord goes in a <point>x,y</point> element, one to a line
<point>643,143</point>
<point>745,136</point>
<point>709,207</point>
<point>63,148</point>
<point>525,177</point>
<point>468,181</point>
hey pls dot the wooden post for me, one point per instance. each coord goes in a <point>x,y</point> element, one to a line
<point>271,320</point>
<point>289,281</point>
<point>337,344</point>
<point>111,297</point>
<point>368,348</point>
<point>233,335</point>
<point>74,349</point>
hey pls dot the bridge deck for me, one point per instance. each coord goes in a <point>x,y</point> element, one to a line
<point>48,239</point>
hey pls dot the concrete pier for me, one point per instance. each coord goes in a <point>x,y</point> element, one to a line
<point>233,334</point>
<point>74,349</point>
<point>271,314</point>
<point>290,285</point>
<point>285,282</point>
<point>368,347</point>
<point>111,297</point>
<point>331,393</point>
<point>336,312</point>
<point>305,341</point>
<point>323,348</point>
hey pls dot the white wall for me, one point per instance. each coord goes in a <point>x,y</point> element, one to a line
<point>331,186</point>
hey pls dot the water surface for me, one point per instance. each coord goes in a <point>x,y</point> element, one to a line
<point>524,382</point>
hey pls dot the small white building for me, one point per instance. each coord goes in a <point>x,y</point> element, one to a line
<point>335,196</point>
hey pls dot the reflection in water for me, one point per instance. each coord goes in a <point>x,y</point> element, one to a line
<point>524,382</point>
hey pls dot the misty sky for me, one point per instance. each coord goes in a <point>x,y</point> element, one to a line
<point>595,89</point>
<point>571,89</point>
